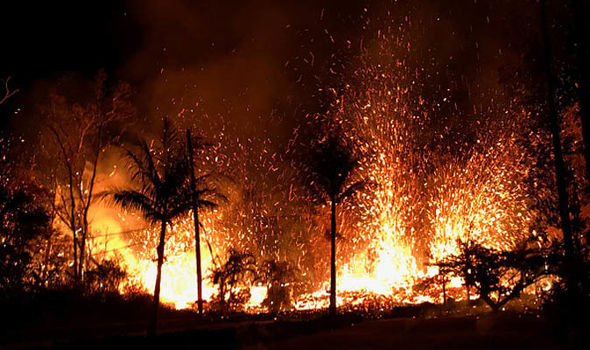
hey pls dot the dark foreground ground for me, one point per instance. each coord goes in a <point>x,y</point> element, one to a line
<point>445,333</point>
<point>498,332</point>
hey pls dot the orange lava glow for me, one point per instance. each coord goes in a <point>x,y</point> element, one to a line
<point>424,200</point>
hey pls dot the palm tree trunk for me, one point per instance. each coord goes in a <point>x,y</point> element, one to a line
<point>151,331</point>
<point>81,256</point>
<point>198,258</point>
<point>444,288</point>
<point>46,261</point>
<point>333,260</point>
<point>196,223</point>
<point>73,221</point>
<point>222,294</point>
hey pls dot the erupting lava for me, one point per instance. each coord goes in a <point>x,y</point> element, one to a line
<point>431,190</point>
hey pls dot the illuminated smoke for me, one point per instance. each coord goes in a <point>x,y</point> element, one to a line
<point>431,189</point>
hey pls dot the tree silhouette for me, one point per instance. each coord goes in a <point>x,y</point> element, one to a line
<point>560,166</point>
<point>498,276</point>
<point>78,134</point>
<point>279,277</point>
<point>233,278</point>
<point>582,54</point>
<point>8,93</point>
<point>161,192</point>
<point>24,217</point>
<point>332,164</point>
<point>202,197</point>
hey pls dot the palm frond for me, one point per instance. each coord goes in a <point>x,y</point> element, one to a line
<point>210,194</point>
<point>135,200</point>
<point>352,189</point>
<point>207,204</point>
<point>330,167</point>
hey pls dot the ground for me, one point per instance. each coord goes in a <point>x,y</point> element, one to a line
<point>492,331</point>
<point>446,333</point>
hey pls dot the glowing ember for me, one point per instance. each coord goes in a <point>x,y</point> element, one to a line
<point>430,190</point>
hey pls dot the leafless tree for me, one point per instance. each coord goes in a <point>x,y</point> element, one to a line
<point>7,92</point>
<point>80,133</point>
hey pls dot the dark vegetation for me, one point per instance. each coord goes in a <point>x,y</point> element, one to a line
<point>279,278</point>
<point>45,283</point>
<point>160,192</point>
<point>499,276</point>
<point>233,278</point>
<point>228,336</point>
<point>330,171</point>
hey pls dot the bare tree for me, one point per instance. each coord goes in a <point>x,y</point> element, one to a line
<point>7,92</point>
<point>80,134</point>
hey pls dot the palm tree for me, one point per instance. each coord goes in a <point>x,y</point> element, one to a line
<point>202,197</point>
<point>332,164</point>
<point>161,193</point>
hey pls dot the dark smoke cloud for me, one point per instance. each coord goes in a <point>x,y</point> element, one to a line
<point>232,58</point>
<point>240,62</point>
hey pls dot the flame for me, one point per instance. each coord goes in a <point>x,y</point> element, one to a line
<point>427,196</point>
<point>474,200</point>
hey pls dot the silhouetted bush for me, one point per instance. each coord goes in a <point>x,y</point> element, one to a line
<point>279,277</point>
<point>233,279</point>
<point>25,221</point>
<point>497,276</point>
<point>105,277</point>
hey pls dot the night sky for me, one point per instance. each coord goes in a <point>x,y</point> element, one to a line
<point>256,56</point>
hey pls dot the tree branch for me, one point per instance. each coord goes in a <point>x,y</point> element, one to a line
<point>7,93</point>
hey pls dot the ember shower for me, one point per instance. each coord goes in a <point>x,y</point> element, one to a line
<point>431,188</point>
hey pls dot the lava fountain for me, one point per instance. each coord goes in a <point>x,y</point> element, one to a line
<point>432,189</point>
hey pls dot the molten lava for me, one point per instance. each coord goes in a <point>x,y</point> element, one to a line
<point>431,190</point>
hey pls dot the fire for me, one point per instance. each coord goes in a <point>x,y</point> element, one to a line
<point>427,197</point>
<point>430,191</point>
<point>474,200</point>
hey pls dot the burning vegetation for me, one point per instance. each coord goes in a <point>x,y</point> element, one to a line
<point>385,194</point>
